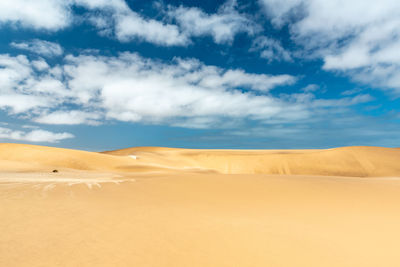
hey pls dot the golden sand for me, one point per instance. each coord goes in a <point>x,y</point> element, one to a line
<point>180,207</point>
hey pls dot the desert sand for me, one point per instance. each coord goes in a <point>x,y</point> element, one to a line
<point>149,206</point>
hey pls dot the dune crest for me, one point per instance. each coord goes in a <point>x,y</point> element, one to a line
<point>345,161</point>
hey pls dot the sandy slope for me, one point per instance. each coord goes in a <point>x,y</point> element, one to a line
<point>18,157</point>
<point>177,207</point>
<point>347,161</point>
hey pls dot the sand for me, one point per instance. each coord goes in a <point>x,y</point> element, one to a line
<point>177,207</point>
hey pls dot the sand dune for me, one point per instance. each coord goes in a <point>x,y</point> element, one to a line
<point>164,207</point>
<point>346,161</point>
<point>19,157</point>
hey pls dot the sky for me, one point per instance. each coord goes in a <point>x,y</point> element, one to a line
<point>267,74</point>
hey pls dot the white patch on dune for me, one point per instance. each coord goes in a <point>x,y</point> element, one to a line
<point>49,187</point>
<point>133,156</point>
<point>49,183</point>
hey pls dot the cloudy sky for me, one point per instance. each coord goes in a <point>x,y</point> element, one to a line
<point>106,74</point>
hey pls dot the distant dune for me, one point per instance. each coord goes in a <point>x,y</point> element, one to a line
<point>345,161</point>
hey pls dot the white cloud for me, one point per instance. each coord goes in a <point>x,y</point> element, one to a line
<point>27,126</point>
<point>39,14</point>
<point>239,78</point>
<point>128,87</point>
<point>113,5</point>
<point>40,47</point>
<point>46,136</point>
<point>310,88</point>
<point>13,69</point>
<point>359,38</point>
<point>270,49</point>
<point>19,103</point>
<point>116,18</point>
<point>280,11</point>
<point>222,26</point>
<point>40,64</point>
<point>132,26</point>
<point>69,117</point>
<point>132,88</point>
<point>24,87</point>
<point>37,135</point>
<point>110,17</point>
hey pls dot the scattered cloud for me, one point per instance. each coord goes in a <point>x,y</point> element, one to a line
<point>24,87</point>
<point>358,130</point>
<point>40,64</point>
<point>112,5</point>
<point>270,49</point>
<point>358,38</point>
<point>27,126</point>
<point>90,89</point>
<point>132,88</point>
<point>351,91</point>
<point>131,26</point>
<point>282,12</point>
<point>48,15</point>
<point>40,47</point>
<point>310,88</point>
<point>222,26</point>
<point>69,117</point>
<point>36,135</point>
<point>116,19</point>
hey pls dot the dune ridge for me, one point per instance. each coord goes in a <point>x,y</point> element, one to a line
<point>344,161</point>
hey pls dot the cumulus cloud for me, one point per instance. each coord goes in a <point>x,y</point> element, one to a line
<point>131,26</point>
<point>282,12</point>
<point>131,88</point>
<point>40,64</point>
<point>128,87</point>
<point>110,17</point>
<point>270,49</point>
<point>25,87</point>
<point>359,38</point>
<point>310,88</point>
<point>36,135</point>
<point>48,15</point>
<point>40,47</point>
<point>222,26</point>
<point>116,19</point>
<point>69,117</point>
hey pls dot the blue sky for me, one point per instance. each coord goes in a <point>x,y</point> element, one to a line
<point>98,75</point>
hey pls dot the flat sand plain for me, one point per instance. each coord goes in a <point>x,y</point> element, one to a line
<point>150,206</point>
